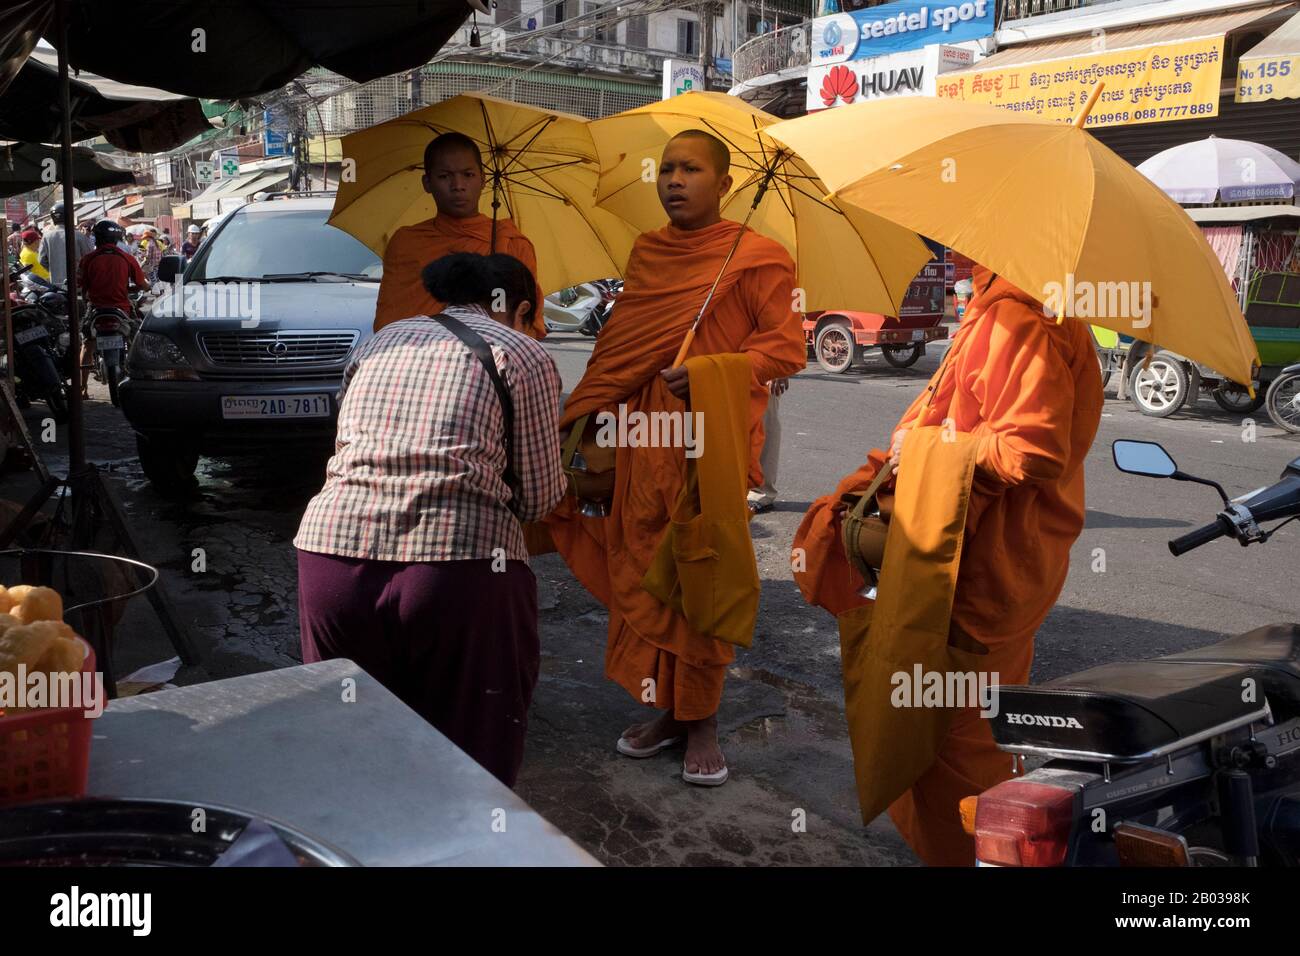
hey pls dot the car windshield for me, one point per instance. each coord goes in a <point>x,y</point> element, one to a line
<point>280,244</point>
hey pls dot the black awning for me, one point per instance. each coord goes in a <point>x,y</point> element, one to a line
<point>249,47</point>
<point>23,168</point>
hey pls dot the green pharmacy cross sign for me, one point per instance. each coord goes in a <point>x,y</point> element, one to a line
<point>230,167</point>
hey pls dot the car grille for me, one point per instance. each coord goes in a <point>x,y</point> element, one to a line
<point>272,351</point>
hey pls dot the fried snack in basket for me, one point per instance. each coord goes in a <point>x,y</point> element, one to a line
<point>34,603</point>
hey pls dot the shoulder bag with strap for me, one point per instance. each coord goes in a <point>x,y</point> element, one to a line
<point>475,343</point>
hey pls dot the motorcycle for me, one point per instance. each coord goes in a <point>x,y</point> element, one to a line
<point>112,331</point>
<point>599,315</point>
<point>1191,759</point>
<point>37,359</point>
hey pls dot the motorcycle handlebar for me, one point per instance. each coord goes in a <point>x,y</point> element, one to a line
<point>1194,539</point>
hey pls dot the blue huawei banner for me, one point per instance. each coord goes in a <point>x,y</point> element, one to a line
<point>894,27</point>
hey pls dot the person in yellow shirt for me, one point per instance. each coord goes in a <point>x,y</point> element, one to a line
<point>30,256</point>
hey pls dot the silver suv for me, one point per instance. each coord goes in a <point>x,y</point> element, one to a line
<point>245,350</point>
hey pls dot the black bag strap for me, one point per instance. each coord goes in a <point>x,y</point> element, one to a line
<point>474,342</point>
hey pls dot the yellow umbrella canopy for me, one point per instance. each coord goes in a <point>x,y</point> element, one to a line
<point>846,257</point>
<point>540,165</point>
<point>1043,204</point>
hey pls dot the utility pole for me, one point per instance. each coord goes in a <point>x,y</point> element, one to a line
<point>706,40</point>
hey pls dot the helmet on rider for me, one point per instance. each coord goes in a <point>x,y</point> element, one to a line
<point>108,233</point>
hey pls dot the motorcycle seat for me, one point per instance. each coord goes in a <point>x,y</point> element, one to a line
<point>1128,710</point>
<point>1131,708</point>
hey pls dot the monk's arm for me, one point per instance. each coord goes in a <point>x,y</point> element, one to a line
<point>1026,393</point>
<point>397,265</point>
<point>776,346</point>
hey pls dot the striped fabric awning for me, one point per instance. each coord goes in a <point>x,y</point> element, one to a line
<point>1271,69</point>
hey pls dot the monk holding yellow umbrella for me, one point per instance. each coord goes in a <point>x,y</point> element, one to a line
<point>725,298</point>
<point>478,174</point>
<point>986,466</point>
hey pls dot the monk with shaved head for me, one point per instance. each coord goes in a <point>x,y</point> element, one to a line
<point>453,176</point>
<point>652,651</point>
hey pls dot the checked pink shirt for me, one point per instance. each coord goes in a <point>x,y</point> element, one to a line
<point>416,472</point>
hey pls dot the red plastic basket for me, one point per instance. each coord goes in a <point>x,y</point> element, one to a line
<point>45,753</point>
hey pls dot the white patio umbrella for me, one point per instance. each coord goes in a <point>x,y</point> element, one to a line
<point>1227,170</point>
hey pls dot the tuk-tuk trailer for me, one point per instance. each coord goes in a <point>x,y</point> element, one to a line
<point>1259,246</point>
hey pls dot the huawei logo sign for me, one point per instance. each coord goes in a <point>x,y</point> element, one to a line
<point>839,85</point>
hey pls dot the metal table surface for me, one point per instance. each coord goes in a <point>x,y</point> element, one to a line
<point>369,776</point>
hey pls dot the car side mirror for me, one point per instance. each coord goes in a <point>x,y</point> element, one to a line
<point>1143,458</point>
<point>169,267</point>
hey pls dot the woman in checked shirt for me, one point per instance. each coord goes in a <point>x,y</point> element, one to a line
<point>411,559</point>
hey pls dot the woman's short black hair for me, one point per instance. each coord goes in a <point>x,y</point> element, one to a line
<point>464,278</point>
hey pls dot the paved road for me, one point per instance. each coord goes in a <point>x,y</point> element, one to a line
<point>782,717</point>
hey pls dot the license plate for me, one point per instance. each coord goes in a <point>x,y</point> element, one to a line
<point>918,335</point>
<point>275,406</point>
<point>105,343</point>
<point>31,335</point>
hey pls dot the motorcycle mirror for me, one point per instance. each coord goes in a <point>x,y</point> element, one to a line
<point>1143,458</point>
<point>169,267</point>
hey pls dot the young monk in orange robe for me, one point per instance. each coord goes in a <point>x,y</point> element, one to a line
<point>453,175</point>
<point>1028,389</point>
<point>651,651</point>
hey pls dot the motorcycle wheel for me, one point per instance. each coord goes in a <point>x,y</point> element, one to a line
<point>57,403</point>
<point>1238,402</point>
<point>1284,402</point>
<point>113,375</point>
<point>1161,389</point>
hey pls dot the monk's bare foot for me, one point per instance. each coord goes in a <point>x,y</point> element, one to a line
<point>703,754</point>
<point>663,727</point>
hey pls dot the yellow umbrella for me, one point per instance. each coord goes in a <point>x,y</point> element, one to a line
<point>1043,204</point>
<point>846,258</point>
<point>540,169</point>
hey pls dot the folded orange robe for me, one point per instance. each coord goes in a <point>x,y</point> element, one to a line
<point>1028,390</point>
<point>668,278</point>
<point>401,291</point>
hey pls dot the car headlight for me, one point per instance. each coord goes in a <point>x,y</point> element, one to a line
<point>157,357</point>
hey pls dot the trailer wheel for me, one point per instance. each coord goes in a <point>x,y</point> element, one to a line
<point>1162,388</point>
<point>835,348</point>
<point>901,356</point>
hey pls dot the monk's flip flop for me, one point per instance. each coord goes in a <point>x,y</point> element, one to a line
<point>627,750</point>
<point>705,779</point>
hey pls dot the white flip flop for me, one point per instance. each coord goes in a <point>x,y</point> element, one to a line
<point>627,750</point>
<point>705,779</point>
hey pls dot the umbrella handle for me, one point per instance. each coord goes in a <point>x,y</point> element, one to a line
<point>686,347</point>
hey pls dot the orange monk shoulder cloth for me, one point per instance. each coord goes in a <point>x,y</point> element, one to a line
<point>1026,389</point>
<point>401,291</point>
<point>668,278</point>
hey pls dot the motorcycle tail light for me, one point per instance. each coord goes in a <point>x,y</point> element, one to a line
<point>1019,823</point>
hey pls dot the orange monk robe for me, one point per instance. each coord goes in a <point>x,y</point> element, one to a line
<point>401,291</point>
<point>668,278</point>
<point>1028,389</point>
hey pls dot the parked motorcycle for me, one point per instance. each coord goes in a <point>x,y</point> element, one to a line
<point>1191,759</point>
<point>599,315</point>
<point>37,359</point>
